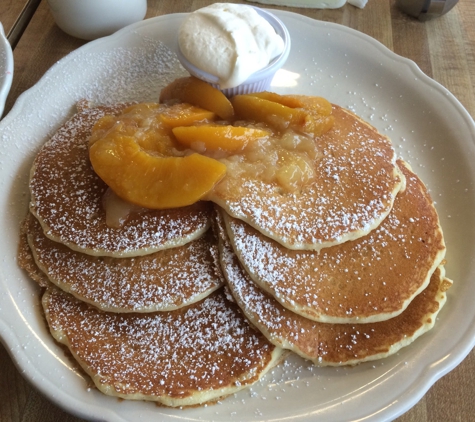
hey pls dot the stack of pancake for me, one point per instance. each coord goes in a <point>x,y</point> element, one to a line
<point>347,269</point>
<point>140,305</point>
<point>350,268</point>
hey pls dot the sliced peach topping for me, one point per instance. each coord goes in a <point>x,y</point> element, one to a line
<point>151,181</point>
<point>279,116</point>
<point>158,142</point>
<point>183,114</point>
<point>199,93</point>
<point>142,109</point>
<point>141,121</point>
<point>143,154</point>
<point>130,119</point>
<point>320,109</point>
<point>318,105</point>
<point>286,100</point>
<point>214,137</point>
<point>135,155</point>
<point>102,126</point>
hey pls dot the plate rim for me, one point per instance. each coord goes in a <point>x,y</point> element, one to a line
<point>7,78</point>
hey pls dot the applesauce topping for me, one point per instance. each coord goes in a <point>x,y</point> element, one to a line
<point>173,154</point>
<point>286,160</point>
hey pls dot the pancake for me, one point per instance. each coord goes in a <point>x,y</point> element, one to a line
<point>25,258</point>
<point>332,344</point>
<point>162,281</point>
<point>186,357</point>
<point>356,181</point>
<point>367,280</point>
<point>66,197</point>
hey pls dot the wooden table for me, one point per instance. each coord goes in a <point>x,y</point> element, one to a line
<point>443,48</point>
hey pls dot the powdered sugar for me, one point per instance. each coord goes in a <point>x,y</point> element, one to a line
<point>199,352</point>
<point>162,281</point>
<point>67,200</point>
<point>356,181</point>
<point>122,73</point>
<point>326,343</point>
<point>369,279</point>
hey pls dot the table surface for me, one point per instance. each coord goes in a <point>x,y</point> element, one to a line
<point>444,48</point>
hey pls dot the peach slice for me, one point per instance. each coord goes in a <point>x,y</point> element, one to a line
<point>199,93</point>
<point>151,181</point>
<point>214,138</point>
<point>108,124</point>
<point>317,105</point>
<point>141,121</point>
<point>141,109</point>
<point>286,100</point>
<point>250,107</point>
<point>158,141</point>
<point>183,114</point>
<point>127,122</point>
<point>279,116</point>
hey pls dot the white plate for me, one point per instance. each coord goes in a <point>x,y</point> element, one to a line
<point>430,129</point>
<point>6,68</point>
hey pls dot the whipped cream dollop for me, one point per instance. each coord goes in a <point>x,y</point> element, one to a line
<point>229,41</point>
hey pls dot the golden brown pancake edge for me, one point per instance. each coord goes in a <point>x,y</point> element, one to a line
<point>162,281</point>
<point>356,182</point>
<point>66,197</point>
<point>328,344</point>
<point>186,357</point>
<point>367,280</point>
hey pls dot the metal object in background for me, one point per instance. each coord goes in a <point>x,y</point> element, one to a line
<point>426,9</point>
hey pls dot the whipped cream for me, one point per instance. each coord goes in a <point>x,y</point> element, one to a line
<point>229,41</point>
